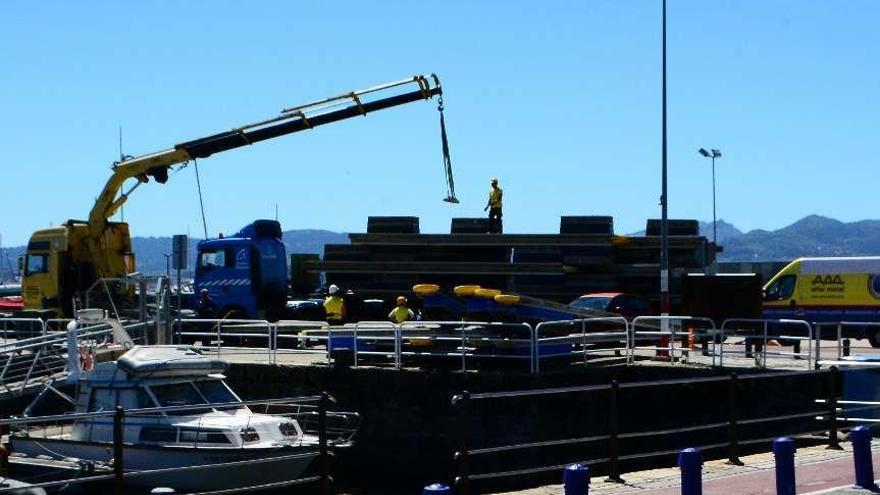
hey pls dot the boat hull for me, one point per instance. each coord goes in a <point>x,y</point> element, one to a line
<point>258,466</point>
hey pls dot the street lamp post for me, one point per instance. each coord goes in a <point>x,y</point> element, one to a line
<point>713,155</point>
<point>664,220</point>
<point>168,266</point>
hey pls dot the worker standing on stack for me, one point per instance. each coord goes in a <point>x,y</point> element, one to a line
<point>334,306</point>
<point>401,313</point>
<point>494,207</point>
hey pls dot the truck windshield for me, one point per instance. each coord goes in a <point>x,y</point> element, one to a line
<point>781,289</point>
<point>37,263</point>
<point>211,258</point>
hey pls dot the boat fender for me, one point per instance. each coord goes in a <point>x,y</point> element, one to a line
<point>426,289</point>
<point>465,290</point>
<point>86,359</point>
<point>4,460</point>
<point>487,293</point>
<point>509,299</point>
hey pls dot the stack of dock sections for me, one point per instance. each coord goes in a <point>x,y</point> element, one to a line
<point>584,257</point>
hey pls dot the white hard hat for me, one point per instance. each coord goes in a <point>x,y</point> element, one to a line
<point>333,289</point>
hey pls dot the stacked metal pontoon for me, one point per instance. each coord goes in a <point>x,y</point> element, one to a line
<point>584,257</point>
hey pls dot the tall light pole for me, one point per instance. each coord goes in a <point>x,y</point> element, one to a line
<point>713,155</point>
<point>664,220</point>
<point>168,266</point>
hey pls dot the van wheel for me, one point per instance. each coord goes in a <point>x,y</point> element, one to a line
<point>874,336</point>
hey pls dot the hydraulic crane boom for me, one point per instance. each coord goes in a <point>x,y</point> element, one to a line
<point>99,248</point>
<point>291,120</point>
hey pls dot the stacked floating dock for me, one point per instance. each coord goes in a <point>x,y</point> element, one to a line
<point>584,257</point>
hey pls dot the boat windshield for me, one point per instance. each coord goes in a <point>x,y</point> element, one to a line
<point>179,394</point>
<point>194,393</point>
<point>216,392</point>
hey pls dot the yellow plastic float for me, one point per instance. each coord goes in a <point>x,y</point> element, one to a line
<point>487,293</point>
<point>426,289</point>
<point>507,299</point>
<point>465,290</point>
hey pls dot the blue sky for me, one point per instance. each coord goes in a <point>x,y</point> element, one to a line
<point>560,100</point>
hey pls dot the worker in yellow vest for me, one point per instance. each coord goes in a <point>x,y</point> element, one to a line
<point>494,207</point>
<point>334,306</point>
<point>401,313</point>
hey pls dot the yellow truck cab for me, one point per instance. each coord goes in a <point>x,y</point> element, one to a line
<point>828,290</point>
<point>57,266</point>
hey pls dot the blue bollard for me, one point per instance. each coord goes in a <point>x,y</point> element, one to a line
<point>860,436</point>
<point>576,479</point>
<point>783,451</point>
<point>691,465</point>
<point>437,489</point>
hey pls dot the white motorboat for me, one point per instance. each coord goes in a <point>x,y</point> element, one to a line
<point>233,445</point>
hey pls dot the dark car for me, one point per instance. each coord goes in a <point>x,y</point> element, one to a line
<point>627,305</point>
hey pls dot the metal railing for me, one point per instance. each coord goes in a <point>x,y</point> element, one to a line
<point>678,339</point>
<point>41,359</point>
<point>570,337</point>
<point>607,445</point>
<point>671,337</point>
<point>757,330</point>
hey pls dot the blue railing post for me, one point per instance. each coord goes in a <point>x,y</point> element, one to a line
<point>437,489</point>
<point>691,465</point>
<point>576,479</point>
<point>783,451</point>
<point>860,436</point>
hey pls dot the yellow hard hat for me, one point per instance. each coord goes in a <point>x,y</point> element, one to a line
<point>401,300</point>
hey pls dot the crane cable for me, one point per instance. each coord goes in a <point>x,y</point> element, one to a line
<point>447,160</point>
<point>201,203</point>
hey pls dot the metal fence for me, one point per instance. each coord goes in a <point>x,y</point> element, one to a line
<point>610,444</point>
<point>468,345</point>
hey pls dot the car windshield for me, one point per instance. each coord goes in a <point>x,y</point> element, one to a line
<point>591,303</point>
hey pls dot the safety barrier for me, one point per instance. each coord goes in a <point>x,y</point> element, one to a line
<point>757,330</point>
<point>209,335</point>
<point>565,340</point>
<point>679,339</point>
<point>331,429</point>
<point>672,337</point>
<point>609,444</point>
<point>843,338</point>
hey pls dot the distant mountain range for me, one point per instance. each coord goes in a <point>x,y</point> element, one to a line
<point>811,236</point>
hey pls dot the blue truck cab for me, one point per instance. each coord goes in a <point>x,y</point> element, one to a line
<point>246,274</point>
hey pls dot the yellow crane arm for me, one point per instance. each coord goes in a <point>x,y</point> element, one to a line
<point>290,120</point>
